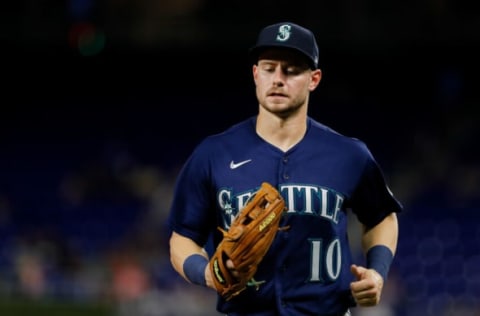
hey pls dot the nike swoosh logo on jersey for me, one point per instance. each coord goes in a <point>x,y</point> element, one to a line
<point>234,165</point>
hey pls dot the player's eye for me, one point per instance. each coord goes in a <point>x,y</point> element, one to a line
<point>268,68</point>
<point>292,70</point>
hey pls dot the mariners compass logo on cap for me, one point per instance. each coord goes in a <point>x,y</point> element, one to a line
<point>287,35</point>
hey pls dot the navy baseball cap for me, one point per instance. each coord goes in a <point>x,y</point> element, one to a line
<point>287,35</point>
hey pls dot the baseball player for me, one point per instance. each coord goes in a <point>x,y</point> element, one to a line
<point>322,175</point>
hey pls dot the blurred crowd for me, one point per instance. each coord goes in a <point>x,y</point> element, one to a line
<point>93,234</point>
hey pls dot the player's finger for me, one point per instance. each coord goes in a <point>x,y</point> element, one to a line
<point>368,297</point>
<point>357,271</point>
<point>367,302</point>
<point>230,266</point>
<point>363,289</point>
<point>358,287</point>
<point>366,284</point>
<point>365,294</point>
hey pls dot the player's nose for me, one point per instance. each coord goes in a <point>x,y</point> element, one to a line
<point>278,77</point>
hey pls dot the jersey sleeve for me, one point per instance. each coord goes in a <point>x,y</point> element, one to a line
<point>372,200</point>
<point>192,212</point>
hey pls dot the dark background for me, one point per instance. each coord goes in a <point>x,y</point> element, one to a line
<point>99,94</point>
<point>389,68</point>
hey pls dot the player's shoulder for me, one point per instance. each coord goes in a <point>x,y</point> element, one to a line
<point>337,139</point>
<point>236,134</point>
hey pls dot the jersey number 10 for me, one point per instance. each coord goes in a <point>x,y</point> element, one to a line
<point>328,259</point>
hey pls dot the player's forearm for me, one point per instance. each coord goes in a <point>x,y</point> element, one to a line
<point>180,249</point>
<point>379,244</point>
<point>384,233</point>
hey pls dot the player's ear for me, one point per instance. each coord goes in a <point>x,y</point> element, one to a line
<point>255,72</point>
<point>316,77</point>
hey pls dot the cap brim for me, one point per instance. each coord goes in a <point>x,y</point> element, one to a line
<point>255,51</point>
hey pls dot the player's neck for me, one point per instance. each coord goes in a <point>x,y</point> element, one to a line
<point>283,133</point>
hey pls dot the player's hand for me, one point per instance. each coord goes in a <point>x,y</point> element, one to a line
<point>208,277</point>
<point>367,290</point>
<point>208,273</point>
<point>230,266</point>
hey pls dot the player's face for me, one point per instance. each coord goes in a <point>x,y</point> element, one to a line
<point>283,81</point>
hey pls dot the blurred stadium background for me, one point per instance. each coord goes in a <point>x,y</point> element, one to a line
<point>102,101</point>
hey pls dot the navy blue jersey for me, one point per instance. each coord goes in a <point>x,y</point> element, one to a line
<point>322,178</point>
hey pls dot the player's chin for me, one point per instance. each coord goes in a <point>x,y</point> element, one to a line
<point>276,104</point>
<point>281,110</point>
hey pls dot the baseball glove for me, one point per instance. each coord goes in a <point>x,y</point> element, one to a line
<point>247,241</point>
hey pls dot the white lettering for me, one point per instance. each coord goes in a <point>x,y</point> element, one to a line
<point>338,207</point>
<point>324,202</point>
<point>308,198</point>
<point>223,197</point>
<point>290,198</point>
<point>334,248</point>
<point>316,247</point>
<point>315,200</point>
